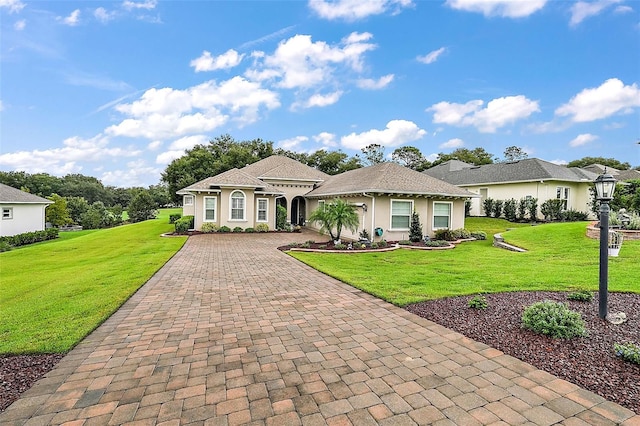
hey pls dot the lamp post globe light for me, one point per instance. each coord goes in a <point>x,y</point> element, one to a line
<point>605,185</point>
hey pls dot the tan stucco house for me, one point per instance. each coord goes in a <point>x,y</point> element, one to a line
<point>529,178</point>
<point>385,195</point>
<point>21,212</point>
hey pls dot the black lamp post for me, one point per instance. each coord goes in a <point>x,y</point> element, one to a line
<point>605,185</point>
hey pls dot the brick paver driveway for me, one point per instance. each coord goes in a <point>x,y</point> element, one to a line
<point>232,331</point>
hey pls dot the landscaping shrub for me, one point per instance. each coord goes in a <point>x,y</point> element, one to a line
<point>628,351</point>
<point>479,235</point>
<point>174,217</point>
<point>281,218</point>
<point>461,234</point>
<point>415,229</point>
<point>521,211</point>
<point>552,209</point>
<point>224,229</point>
<point>497,208</point>
<point>437,243</point>
<point>532,207</point>
<point>5,246</point>
<point>184,224</point>
<point>382,243</point>
<point>262,227</point>
<point>580,296</point>
<point>510,210</point>
<point>364,235</point>
<point>209,227</point>
<point>404,242</point>
<point>634,222</point>
<point>445,234</point>
<point>238,229</point>
<point>553,319</point>
<point>249,230</point>
<point>478,302</point>
<point>574,216</point>
<point>28,238</point>
<point>340,246</point>
<point>487,205</point>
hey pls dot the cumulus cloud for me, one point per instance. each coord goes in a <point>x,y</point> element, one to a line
<point>292,143</point>
<point>102,15</point>
<point>353,10</point>
<point>371,84</point>
<point>498,113</point>
<point>583,10</point>
<point>154,145</point>
<point>206,62</point>
<point>318,100</point>
<point>452,143</point>
<point>167,113</point>
<point>502,8</point>
<point>14,6</point>
<point>146,5</point>
<point>432,56</point>
<point>20,25</point>
<point>72,20</point>
<point>326,139</point>
<point>611,97</point>
<point>179,146</point>
<point>396,133</point>
<point>582,139</point>
<point>136,174</point>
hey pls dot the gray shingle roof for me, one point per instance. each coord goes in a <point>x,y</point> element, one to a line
<point>390,178</point>
<point>531,169</point>
<point>620,175</point>
<point>281,167</point>
<point>233,178</point>
<point>9,194</point>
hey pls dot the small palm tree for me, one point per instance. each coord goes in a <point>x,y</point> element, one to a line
<point>321,216</point>
<point>338,214</point>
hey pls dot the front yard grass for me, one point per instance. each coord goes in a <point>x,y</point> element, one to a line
<point>52,294</point>
<point>560,257</point>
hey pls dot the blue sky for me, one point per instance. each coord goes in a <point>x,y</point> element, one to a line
<point>116,90</point>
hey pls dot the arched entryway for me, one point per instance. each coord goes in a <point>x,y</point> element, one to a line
<point>298,211</point>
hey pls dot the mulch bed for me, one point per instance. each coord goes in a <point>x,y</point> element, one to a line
<point>587,361</point>
<point>359,247</point>
<point>18,373</point>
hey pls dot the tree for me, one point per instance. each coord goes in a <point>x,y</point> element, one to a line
<point>90,188</point>
<point>142,207</point>
<point>57,214</point>
<point>338,214</point>
<point>609,162</point>
<point>96,217</point>
<point>332,162</point>
<point>415,230</point>
<point>476,156</point>
<point>514,153</point>
<point>372,154</point>
<point>411,157</point>
<point>77,207</point>
<point>160,195</point>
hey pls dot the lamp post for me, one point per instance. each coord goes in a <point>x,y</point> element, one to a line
<point>605,185</point>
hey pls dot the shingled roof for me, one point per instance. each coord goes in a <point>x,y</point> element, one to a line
<point>620,175</point>
<point>531,169</point>
<point>12,195</point>
<point>282,168</point>
<point>231,178</point>
<point>387,178</point>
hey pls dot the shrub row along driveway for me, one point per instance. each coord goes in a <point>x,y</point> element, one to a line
<point>233,331</point>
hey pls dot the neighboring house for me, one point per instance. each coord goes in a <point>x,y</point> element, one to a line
<point>529,178</point>
<point>21,211</point>
<point>619,175</point>
<point>385,194</point>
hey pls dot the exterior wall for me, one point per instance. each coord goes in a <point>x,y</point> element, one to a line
<point>223,209</point>
<point>25,218</point>
<point>579,197</point>
<point>188,209</point>
<point>292,189</point>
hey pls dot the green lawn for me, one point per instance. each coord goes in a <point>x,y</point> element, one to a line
<point>559,257</point>
<point>54,293</point>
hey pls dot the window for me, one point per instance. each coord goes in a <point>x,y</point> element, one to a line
<point>263,207</point>
<point>562,193</point>
<point>401,214</point>
<point>187,200</point>
<point>237,205</point>
<point>321,204</point>
<point>7,213</point>
<point>441,215</point>
<point>210,209</point>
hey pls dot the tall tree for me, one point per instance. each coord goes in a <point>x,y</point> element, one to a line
<point>411,157</point>
<point>372,154</point>
<point>142,207</point>
<point>57,214</point>
<point>332,162</point>
<point>609,162</point>
<point>477,156</point>
<point>514,153</point>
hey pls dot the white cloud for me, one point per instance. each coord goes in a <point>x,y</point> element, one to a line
<point>326,139</point>
<point>103,15</point>
<point>623,9</point>
<point>318,100</point>
<point>299,62</point>
<point>397,132</point>
<point>431,57</point>
<point>610,98</point>
<point>582,139</point>
<point>583,10</point>
<point>352,10</point>
<point>452,143</point>
<point>276,34</point>
<point>81,78</point>
<point>292,143</point>
<point>502,8</point>
<point>167,113</point>
<point>559,162</point>
<point>14,6</point>
<point>189,142</point>
<point>20,25</point>
<point>72,20</point>
<point>498,112</point>
<point>137,173</point>
<point>147,4</point>
<point>154,146</point>
<point>206,62</point>
<point>371,84</point>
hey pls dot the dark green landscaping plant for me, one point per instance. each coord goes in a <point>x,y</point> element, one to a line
<point>415,229</point>
<point>224,229</point>
<point>445,234</point>
<point>532,207</point>
<point>510,210</point>
<point>487,205</point>
<point>580,296</point>
<point>628,351</point>
<point>478,302</point>
<point>553,319</point>
<point>497,208</point>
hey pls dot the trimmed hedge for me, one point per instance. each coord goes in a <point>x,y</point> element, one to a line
<point>184,224</point>
<point>27,238</point>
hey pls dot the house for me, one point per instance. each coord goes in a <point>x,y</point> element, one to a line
<point>529,178</point>
<point>21,211</point>
<point>385,195</point>
<point>619,175</point>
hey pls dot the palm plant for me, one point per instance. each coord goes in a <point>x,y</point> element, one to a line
<point>338,214</point>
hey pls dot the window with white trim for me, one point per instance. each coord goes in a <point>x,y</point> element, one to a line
<point>562,193</point>
<point>442,215</point>
<point>210,204</point>
<point>321,204</point>
<point>263,208</point>
<point>7,213</point>
<point>237,205</point>
<point>401,214</point>
<point>187,200</point>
